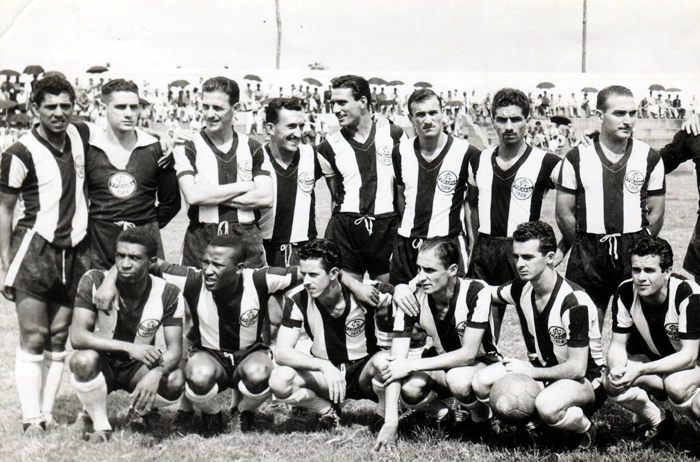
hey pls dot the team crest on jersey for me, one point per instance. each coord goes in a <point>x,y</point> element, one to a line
<point>79,162</point>
<point>249,318</point>
<point>672,332</point>
<point>355,327</point>
<point>447,181</point>
<point>634,180</point>
<point>245,171</point>
<point>461,327</point>
<point>558,335</point>
<point>122,185</point>
<point>522,188</point>
<point>148,327</point>
<point>384,155</point>
<point>306,182</point>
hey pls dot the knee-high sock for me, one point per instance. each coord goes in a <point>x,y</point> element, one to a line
<point>28,377</point>
<point>185,404</point>
<point>380,390</point>
<point>53,365</point>
<point>251,401</point>
<point>637,401</point>
<point>308,399</point>
<point>432,405</point>
<point>162,402</point>
<point>93,396</point>
<point>574,420</point>
<point>686,407</point>
<point>478,411</point>
<point>205,403</point>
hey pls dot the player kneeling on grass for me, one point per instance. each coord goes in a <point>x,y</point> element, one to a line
<point>562,336</point>
<point>116,350</point>
<point>456,314</point>
<point>342,362</point>
<point>656,335</point>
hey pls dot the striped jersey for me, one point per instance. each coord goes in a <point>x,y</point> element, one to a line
<point>292,217</point>
<point>51,184</point>
<point>209,165</point>
<point>611,198</point>
<point>509,197</point>
<point>130,193</point>
<point>232,322</point>
<point>161,305</point>
<point>363,173</point>
<point>434,191</point>
<point>654,329</point>
<point>470,306</point>
<point>569,320</point>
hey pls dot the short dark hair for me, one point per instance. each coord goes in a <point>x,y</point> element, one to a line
<point>141,236</point>
<point>233,242</point>
<point>531,230</point>
<point>116,85</point>
<point>653,246</point>
<point>224,85</point>
<point>607,92</point>
<point>53,85</point>
<point>420,95</point>
<point>510,97</point>
<point>358,85</point>
<point>444,248</point>
<point>272,111</point>
<point>322,249</point>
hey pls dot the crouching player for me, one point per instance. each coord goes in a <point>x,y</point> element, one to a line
<point>656,334</point>
<point>342,362</point>
<point>116,350</point>
<point>562,335</point>
<point>456,314</point>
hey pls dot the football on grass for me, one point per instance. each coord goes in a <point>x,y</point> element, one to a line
<point>513,398</point>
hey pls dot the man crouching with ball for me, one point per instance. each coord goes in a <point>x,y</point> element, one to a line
<point>562,336</point>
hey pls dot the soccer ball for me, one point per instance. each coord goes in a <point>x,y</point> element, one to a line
<point>513,398</point>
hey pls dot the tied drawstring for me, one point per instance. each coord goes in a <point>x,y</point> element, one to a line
<point>287,249</point>
<point>417,243</point>
<point>368,221</point>
<point>125,224</point>
<point>611,239</point>
<point>63,266</point>
<point>222,228</point>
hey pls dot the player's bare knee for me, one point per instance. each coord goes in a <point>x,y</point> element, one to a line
<point>281,381</point>
<point>677,389</point>
<point>549,410</point>
<point>256,375</point>
<point>34,339</point>
<point>58,340</point>
<point>414,390</point>
<point>200,377</point>
<point>85,365</point>
<point>172,388</point>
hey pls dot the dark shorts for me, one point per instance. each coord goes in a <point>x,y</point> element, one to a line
<point>198,235</point>
<point>353,371</point>
<point>102,241</point>
<point>692,257</point>
<point>282,255</point>
<point>43,270</point>
<point>119,372</point>
<point>492,260</point>
<point>593,268</point>
<point>230,360</point>
<point>403,260</point>
<point>364,252</point>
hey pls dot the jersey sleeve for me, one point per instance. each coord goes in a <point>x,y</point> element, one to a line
<point>185,278</point>
<point>567,175</point>
<point>504,294</point>
<point>576,320</point>
<point>473,168</point>
<point>292,316</point>
<point>259,167</point>
<point>396,162</point>
<point>622,321</point>
<point>477,309</point>
<point>279,279</point>
<point>397,133</point>
<point>553,164</point>
<point>184,156</point>
<point>13,170</point>
<point>89,283</point>
<point>174,312</point>
<point>657,177</point>
<point>326,158</point>
<point>689,318</point>
<point>318,170</point>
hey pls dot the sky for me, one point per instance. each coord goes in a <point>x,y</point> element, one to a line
<point>393,37</point>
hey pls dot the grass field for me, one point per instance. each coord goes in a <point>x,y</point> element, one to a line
<point>282,439</point>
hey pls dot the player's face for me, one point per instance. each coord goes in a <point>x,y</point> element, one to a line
<point>286,133</point>
<point>132,262</point>
<point>54,112</point>
<point>122,111</point>
<point>433,277</point>
<point>220,266</point>
<point>217,111</point>
<point>530,262</point>
<point>619,117</point>
<point>427,118</point>
<point>647,275</point>
<point>316,279</point>
<point>510,125</point>
<point>346,108</point>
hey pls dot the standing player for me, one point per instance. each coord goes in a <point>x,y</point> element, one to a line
<point>560,325</point>
<point>357,160</point>
<point>41,256</point>
<point>117,350</point>
<point>656,335</point>
<point>221,176</point>
<point>431,170</point>
<point>124,178</point>
<point>608,194</point>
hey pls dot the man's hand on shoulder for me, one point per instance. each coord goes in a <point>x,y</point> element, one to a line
<point>692,125</point>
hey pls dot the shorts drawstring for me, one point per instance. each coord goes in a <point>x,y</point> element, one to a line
<point>369,223</point>
<point>222,228</point>
<point>63,266</point>
<point>125,224</point>
<point>287,249</point>
<point>417,243</point>
<point>611,239</point>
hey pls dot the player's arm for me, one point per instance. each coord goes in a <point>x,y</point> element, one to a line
<point>168,196</point>
<point>332,188</point>
<point>206,194</point>
<point>656,205</point>
<point>389,433</point>
<point>573,368</point>
<point>363,293</point>
<point>259,197</point>
<point>617,352</point>
<point>8,201</point>
<point>472,218</point>
<point>566,219</point>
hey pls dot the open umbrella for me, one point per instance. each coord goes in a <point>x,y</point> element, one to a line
<point>673,89</point>
<point>454,103</point>
<point>56,73</point>
<point>9,72</point>
<point>34,69</point>
<point>589,90</point>
<point>312,81</point>
<point>394,83</point>
<point>423,85</point>
<point>144,102</point>
<point>7,103</point>
<point>545,85</point>
<point>656,87</point>
<point>178,83</point>
<point>252,77</point>
<point>560,120</point>
<point>377,81</point>
<point>97,70</point>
